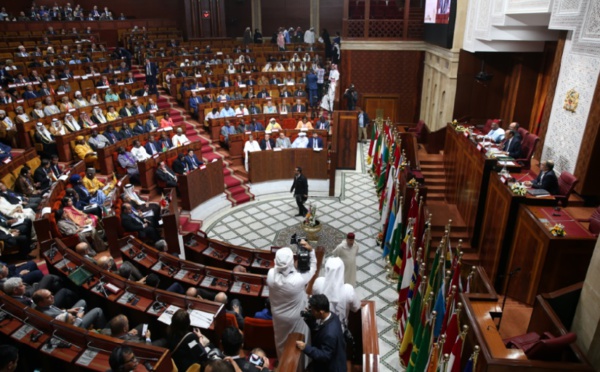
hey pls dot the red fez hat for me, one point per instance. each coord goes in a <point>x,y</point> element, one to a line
<point>350,236</point>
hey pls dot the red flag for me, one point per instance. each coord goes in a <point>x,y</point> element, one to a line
<point>452,332</point>
<point>454,362</point>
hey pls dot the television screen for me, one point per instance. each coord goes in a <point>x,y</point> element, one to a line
<point>437,11</point>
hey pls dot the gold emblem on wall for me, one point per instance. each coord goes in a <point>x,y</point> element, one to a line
<point>571,100</point>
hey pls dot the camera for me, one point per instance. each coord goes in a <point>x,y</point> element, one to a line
<point>306,314</point>
<point>256,360</point>
<point>303,254</point>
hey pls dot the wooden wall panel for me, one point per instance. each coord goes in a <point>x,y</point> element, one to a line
<point>238,16</point>
<point>345,137</point>
<point>283,13</point>
<point>384,73</point>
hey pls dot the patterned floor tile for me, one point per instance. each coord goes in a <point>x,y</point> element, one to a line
<point>355,211</point>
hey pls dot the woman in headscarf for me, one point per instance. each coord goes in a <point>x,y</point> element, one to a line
<point>75,215</point>
<point>342,297</point>
<point>287,293</point>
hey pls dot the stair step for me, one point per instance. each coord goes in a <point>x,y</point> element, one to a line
<point>236,190</point>
<point>231,181</point>
<point>241,199</point>
<point>435,187</point>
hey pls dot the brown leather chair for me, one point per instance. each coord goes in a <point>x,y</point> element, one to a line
<point>528,145</point>
<point>566,184</point>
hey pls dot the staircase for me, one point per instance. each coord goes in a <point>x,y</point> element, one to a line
<point>235,178</point>
<point>432,168</point>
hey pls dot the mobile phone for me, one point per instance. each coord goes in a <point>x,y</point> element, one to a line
<point>144,329</point>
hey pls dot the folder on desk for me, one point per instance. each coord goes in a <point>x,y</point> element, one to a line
<point>538,192</point>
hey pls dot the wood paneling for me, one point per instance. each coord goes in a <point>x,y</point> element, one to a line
<point>201,185</point>
<point>510,93</point>
<point>283,13</point>
<point>279,165</point>
<point>586,168</point>
<point>385,74</point>
<point>238,17</point>
<point>345,138</point>
<point>388,103</point>
<point>547,263</point>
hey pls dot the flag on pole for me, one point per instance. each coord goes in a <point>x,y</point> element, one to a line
<point>388,237</point>
<point>434,358</point>
<point>412,324</point>
<point>452,332</point>
<point>421,353</point>
<point>440,308</point>
<point>396,234</point>
<point>454,362</point>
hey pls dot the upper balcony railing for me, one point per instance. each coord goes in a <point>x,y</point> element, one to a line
<point>380,19</point>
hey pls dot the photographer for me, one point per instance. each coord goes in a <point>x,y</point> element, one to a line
<point>351,98</point>
<point>328,347</point>
<point>287,293</point>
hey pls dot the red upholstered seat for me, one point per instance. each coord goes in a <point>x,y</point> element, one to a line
<point>551,349</point>
<point>418,129</point>
<point>259,333</point>
<point>231,321</point>
<point>528,145</point>
<point>523,133</point>
<point>566,184</point>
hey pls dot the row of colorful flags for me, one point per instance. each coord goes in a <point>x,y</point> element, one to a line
<point>428,328</point>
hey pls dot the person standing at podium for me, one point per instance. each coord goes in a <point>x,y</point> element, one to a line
<point>250,146</point>
<point>300,190</point>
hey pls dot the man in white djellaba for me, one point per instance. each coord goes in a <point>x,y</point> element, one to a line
<point>328,98</point>
<point>250,146</point>
<point>347,250</point>
<point>287,293</point>
<point>342,297</point>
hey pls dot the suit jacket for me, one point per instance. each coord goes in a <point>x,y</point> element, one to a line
<point>29,94</point>
<point>322,125</point>
<point>125,112</point>
<point>263,143</point>
<point>166,143</point>
<point>275,81</point>
<point>180,167</point>
<point>328,346</point>
<point>112,137</point>
<point>149,148</point>
<point>42,177</point>
<point>163,176</point>
<point>131,223</point>
<point>300,185</point>
<point>153,69</point>
<point>514,151</point>
<point>295,108</point>
<point>549,182</point>
<point>311,143</point>
<point>125,133</point>
<point>311,82</point>
<point>283,143</point>
<point>188,160</point>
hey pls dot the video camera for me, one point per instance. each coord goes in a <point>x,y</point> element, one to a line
<point>303,253</point>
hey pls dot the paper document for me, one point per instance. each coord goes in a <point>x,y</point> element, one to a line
<point>167,315</point>
<point>200,319</point>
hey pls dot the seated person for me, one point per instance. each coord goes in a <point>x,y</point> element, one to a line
<point>127,110</point>
<point>43,175</point>
<point>227,111</point>
<point>68,227</point>
<point>166,121</point>
<point>28,272</point>
<point>125,132</point>
<point>226,130</point>
<point>15,205</point>
<point>315,142</point>
<point>141,207</point>
<point>127,270</point>
<point>301,142</point>
<point>93,184</point>
<point>76,315</point>
<point>273,125</point>
<point>266,312</point>
<point>283,142</point>
<point>496,134</point>
<point>153,280</point>
<point>547,179</point>
<point>139,152</point>
<point>241,110</point>
<point>267,143</point>
<point>270,108</point>
<point>79,218</point>
<point>165,142</point>
<point>166,174</point>
<point>512,145</point>
<point>304,123</point>
<point>133,223</point>
<point>26,185</point>
<point>45,138</point>
<point>284,108</point>
<point>98,141</point>
<point>236,308</point>
<point>119,328</point>
<point>128,161</point>
<point>98,116</point>
<point>79,101</point>
<point>85,152</point>
<point>298,107</point>
<point>251,145</point>
<point>179,139</point>
<point>192,160</point>
<point>112,113</point>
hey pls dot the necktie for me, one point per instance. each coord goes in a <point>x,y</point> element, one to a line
<point>508,144</point>
<point>268,145</point>
<point>137,218</point>
<point>315,143</point>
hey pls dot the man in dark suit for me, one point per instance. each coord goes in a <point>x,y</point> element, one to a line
<point>512,145</point>
<point>126,111</point>
<point>311,86</point>
<point>42,175</point>
<point>166,174</point>
<point>111,135</point>
<point>29,93</point>
<point>315,142</point>
<point>151,146</point>
<point>143,227</point>
<point>275,80</point>
<point>180,166</point>
<point>298,107</point>
<point>328,345</point>
<point>165,142</point>
<point>267,143</point>
<point>322,123</point>
<point>547,179</point>
<point>250,82</point>
<point>192,160</point>
<point>300,190</point>
<point>125,132</point>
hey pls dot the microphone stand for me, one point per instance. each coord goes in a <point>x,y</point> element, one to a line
<point>510,275</point>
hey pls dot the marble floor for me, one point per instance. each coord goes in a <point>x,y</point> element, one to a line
<point>355,210</point>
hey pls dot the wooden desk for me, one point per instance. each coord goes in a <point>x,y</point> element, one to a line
<point>548,262</point>
<point>201,185</point>
<point>467,173</point>
<point>279,165</point>
<point>497,228</point>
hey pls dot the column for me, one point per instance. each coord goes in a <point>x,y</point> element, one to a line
<point>256,16</point>
<point>315,16</point>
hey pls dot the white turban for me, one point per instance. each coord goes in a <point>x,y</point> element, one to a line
<point>284,264</point>
<point>334,278</point>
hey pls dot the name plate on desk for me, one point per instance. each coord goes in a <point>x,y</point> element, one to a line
<point>503,180</point>
<point>87,357</point>
<point>277,149</point>
<point>181,274</point>
<point>466,134</point>
<point>202,167</point>
<point>157,266</point>
<point>22,332</point>
<point>207,281</point>
<point>63,263</point>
